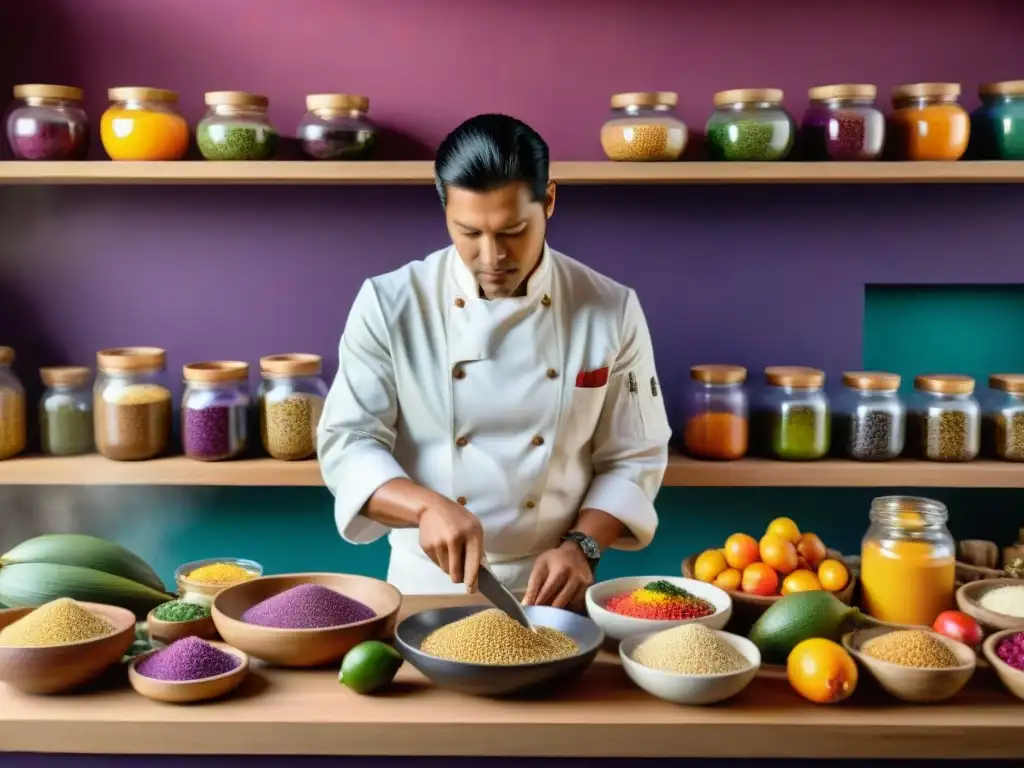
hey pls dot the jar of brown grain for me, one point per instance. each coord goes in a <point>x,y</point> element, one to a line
<point>132,403</point>
<point>291,400</point>
<point>644,127</point>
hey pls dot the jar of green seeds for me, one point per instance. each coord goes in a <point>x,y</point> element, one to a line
<point>750,124</point>
<point>792,417</point>
<point>236,127</point>
<point>997,126</point>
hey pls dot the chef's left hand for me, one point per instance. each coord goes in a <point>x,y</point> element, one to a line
<point>560,578</point>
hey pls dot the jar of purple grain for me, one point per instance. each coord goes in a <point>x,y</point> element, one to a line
<point>842,123</point>
<point>336,127</point>
<point>215,410</point>
<point>47,122</point>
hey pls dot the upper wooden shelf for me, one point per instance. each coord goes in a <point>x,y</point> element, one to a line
<point>682,471</point>
<point>572,172</point>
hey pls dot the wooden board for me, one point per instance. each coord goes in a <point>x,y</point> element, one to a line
<point>418,172</point>
<point>278,712</point>
<point>682,472</point>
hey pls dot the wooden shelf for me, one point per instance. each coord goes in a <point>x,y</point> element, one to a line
<point>571,172</point>
<point>682,472</point>
<point>306,712</point>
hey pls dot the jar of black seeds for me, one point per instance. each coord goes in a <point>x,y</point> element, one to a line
<point>1003,422</point>
<point>236,127</point>
<point>943,419</point>
<point>792,417</point>
<point>750,124</point>
<point>65,411</point>
<point>335,127</point>
<point>215,410</point>
<point>292,398</point>
<point>870,418</point>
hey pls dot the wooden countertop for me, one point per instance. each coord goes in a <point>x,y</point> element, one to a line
<point>282,712</point>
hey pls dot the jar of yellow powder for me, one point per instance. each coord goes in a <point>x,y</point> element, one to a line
<point>201,580</point>
<point>12,408</point>
<point>928,122</point>
<point>143,124</point>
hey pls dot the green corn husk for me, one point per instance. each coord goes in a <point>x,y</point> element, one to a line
<point>34,584</point>
<point>84,552</point>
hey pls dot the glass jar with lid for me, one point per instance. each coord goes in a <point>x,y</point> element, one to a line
<point>48,122</point>
<point>908,561</point>
<point>132,403</point>
<point>997,126</point>
<point>65,411</point>
<point>870,418</point>
<point>291,400</point>
<point>215,410</point>
<point>944,418</point>
<point>1003,420</point>
<point>644,127</point>
<point>335,127</point>
<point>717,413</point>
<point>842,123</point>
<point>13,426</point>
<point>236,127</point>
<point>750,124</point>
<point>928,122</point>
<point>793,414</point>
<point>143,124</point>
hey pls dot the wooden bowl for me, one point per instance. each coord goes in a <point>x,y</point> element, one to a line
<point>967,601</point>
<point>747,609</point>
<point>189,691</point>
<point>167,632</point>
<point>305,647</point>
<point>923,686</point>
<point>1012,678</point>
<point>58,668</point>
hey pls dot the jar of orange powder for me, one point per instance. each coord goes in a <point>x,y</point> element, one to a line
<point>716,413</point>
<point>908,561</point>
<point>928,123</point>
<point>143,124</point>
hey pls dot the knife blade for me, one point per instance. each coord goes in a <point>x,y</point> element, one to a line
<point>495,591</point>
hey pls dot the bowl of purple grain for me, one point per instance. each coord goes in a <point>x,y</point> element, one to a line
<point>306,619</point>
<point>188,670</point>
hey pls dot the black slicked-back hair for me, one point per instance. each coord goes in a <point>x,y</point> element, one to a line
<point>490,151</point>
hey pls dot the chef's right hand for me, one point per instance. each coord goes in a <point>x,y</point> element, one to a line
<point>453,538</point>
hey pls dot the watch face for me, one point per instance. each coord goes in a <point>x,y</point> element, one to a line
<point>590,548</point>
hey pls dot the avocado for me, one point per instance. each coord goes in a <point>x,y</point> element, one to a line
<point>798,617</point>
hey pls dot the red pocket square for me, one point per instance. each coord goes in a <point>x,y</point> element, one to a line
<point>592,379</point>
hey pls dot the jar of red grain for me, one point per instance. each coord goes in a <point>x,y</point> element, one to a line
<point>842,123</point>
<point>716,413</point>
<point>928,123</point>
<point>48,122</point>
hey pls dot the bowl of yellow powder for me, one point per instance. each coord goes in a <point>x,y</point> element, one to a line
<point>62,644</point>
<point>690,663</point>
<point>202,580</point>
<point>481,650</point>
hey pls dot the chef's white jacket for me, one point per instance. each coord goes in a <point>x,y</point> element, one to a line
<point>526,410</point>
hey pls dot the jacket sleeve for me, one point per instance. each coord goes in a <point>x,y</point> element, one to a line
<point>356,434</point>
<point>630,444</point>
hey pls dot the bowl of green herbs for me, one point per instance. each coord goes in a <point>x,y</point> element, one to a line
<point>179,618</point>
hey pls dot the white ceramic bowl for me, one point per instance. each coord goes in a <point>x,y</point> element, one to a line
<point>618,627</point>
<point>691,689</point>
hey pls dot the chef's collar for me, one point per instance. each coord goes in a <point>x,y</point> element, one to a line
<point>535,284</point>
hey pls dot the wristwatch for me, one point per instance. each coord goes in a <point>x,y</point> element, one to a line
<point>587,545</point>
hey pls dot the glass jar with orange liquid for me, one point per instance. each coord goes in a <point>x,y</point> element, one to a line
<point>928,123</point>
<point>143,124</point>
<point>908,561</point>
<point>716,413</point>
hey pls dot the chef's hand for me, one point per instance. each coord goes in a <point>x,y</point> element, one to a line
<point>560,578</point>
<point>453,538</point>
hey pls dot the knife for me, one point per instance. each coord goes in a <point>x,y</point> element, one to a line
<point>495,591</point>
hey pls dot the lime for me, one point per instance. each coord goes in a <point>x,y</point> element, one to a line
<point>369,666</point>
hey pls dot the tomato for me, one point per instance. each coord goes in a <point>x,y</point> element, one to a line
<point>958,626</point>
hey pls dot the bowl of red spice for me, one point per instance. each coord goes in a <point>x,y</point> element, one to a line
<point>640,604</point>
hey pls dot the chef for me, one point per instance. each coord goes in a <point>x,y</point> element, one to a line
<point>496,402</point>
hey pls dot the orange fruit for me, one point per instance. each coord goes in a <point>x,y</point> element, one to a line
<point>812,549</point>
<point>800,581</point>
<point>709,564</point>
<point>784,527</point>
<point>760,579</point>
<point>821,671</point>
<point>729,580</point>
<point>833,575</point>
<point>740,551</point>
<point>778,552</point>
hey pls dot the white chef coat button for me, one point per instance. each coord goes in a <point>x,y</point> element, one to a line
<point>461,500</point>
<point>462,441</point>
<point>545,300</point>
<point>552,373</point>
<point>458,373</point>
<point>530,504</point>
<point>460,302</point>
<point>537,440</point>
